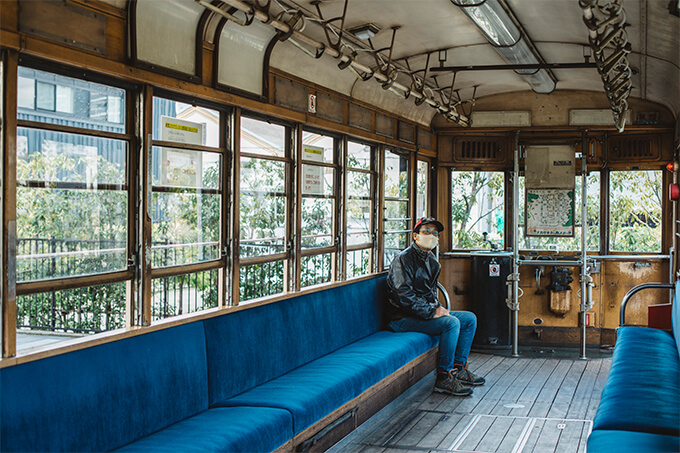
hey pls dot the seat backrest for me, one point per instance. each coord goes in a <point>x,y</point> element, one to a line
<point>252,346</point>
<point>103,397</point>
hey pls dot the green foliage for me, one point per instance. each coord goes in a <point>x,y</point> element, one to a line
<point>262,202</point>
<point>635,211</point>
<point>471,190</point>
<point>259,280</point>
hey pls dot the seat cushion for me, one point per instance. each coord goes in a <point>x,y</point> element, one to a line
<point>224,429</point>
<point>315,390</point>
<point>642,392</point>
<point>606,441</point>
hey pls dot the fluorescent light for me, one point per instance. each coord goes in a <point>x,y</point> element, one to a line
<point>493,21</point>
<point>502,32</point>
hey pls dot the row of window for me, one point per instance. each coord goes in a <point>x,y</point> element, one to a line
<point>634,214</point>
<point>307,207</point>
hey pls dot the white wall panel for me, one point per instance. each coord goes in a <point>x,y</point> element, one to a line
<point>166,33</point>
<point>242,56</point>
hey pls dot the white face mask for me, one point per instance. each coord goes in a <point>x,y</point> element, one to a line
<point>427,241</point>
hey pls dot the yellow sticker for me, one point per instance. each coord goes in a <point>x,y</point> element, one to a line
<point>181,127</point>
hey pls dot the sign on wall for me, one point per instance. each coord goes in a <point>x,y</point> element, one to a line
<point>550,180</point>
<point>550,212</point>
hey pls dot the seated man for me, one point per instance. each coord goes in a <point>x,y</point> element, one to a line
<point>414,306</point>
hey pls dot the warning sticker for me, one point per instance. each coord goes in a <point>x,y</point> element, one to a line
<point>494,270</point>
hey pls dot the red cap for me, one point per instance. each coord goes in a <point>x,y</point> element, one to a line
<point>431,220</point>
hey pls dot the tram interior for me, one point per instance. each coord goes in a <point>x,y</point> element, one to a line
<point>177,166</point>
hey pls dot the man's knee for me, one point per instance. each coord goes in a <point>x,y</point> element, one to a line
<point>466,319</point>
<point>450,323</point>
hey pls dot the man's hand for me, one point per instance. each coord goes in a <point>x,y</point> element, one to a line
<point>441,311</point>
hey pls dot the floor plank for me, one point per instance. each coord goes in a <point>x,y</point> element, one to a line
<point>528,404</point>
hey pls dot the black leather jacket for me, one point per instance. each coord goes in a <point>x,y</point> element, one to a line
<point>412,284</point>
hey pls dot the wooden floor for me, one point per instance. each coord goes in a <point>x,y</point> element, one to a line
<point>538,404</point>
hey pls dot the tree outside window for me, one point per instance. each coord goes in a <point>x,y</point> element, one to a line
<point>477,206</point>
<point>635,201</point>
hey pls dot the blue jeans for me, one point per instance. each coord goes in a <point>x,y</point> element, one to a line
<point>455,332</point>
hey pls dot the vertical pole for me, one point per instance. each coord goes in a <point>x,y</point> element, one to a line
<point>515,251</point>
<point>585,277</point>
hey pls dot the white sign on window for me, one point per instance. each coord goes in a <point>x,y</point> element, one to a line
<point>312,175</point>
<point>181,167</point>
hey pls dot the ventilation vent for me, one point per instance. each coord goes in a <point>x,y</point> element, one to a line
<point>475,149</point>
<point>634,149</point>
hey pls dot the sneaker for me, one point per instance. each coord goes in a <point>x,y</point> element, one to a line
<point>469,378</point>
<point>449,383</point>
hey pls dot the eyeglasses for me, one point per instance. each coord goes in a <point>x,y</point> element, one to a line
<point>428,231</point>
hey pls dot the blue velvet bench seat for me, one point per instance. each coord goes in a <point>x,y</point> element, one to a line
<point>640,406</point>
<point>642,392</point>
<point>285,375</point>
<point>314,390</point>
<point>102,397</point>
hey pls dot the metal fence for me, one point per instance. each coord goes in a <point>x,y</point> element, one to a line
<point>102,307</point>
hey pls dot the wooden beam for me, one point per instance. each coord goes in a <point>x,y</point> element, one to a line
<point>8,161</point>
<point>142,315</point>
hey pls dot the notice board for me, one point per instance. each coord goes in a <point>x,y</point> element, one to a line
<point>550,212</point>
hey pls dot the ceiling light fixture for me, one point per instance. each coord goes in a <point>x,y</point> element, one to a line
<point>365,31</point>
<point>503,31</point>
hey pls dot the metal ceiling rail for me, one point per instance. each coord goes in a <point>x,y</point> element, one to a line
<point>345,60</point>
<point>513,67</point>
<point>606,28</point>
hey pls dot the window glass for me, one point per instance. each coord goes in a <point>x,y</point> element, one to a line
<point>422,189</point>
<point>260,280</point>
<point>316,269</point>
<point>359,204</point>
<point>359,155</point>
<point>317,147</point>
<point>260,137</point>
<point>185,207</point>
<point>262,207</point>
<point>358,263</point>
<point>397,220</point>
<point>181,294</point>
<point>87,310</point>
<point>558,244</point>
<point>318,193</point>
<point>72,205</point>
<point>175,121</point>
<point>56,99</point>
<point>72,208</point>
<point>635,201</point>
<point>477,206</point>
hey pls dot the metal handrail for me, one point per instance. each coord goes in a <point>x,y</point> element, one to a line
<point>629,294</point>
<point>446,295</point>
